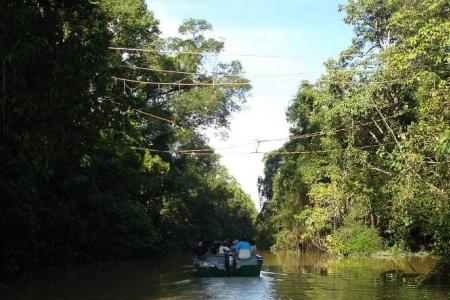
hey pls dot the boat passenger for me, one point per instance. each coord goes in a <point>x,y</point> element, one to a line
<point>202,248</point>
<point>243,248</point>
<point>225,247</point>
<point>215,247</point>
<point>252,248</point>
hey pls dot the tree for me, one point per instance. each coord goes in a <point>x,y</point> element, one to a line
<point>376,124</point>
<point>86,172</point>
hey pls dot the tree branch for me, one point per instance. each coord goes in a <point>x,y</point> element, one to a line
<point>443,193</point>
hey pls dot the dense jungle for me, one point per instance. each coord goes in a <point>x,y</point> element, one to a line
<point>102,160</point>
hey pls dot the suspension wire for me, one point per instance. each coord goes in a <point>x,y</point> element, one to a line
<point>172,122</point>
<point>156,117</point>
<point>325,151</point>
<point>248,84</point>
<point>320,133</point>
<point>258,142</point>
<point>182,84</point>
<point>197,152</point>
<point>155,69</point>
<point>124,49</point>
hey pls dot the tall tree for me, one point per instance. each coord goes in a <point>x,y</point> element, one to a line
<point>80,179</point>
<point>376,124</point>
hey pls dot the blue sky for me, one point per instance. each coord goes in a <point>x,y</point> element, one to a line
<point>313,30</point>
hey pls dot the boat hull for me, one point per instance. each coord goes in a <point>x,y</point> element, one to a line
<point>214,266</point>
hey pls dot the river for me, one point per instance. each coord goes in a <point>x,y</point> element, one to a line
<point>284,276</point>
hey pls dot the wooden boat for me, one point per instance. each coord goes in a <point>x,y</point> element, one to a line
<point>227,265</point>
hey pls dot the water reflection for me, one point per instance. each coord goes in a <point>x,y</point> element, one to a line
<point>315,276</point>
<point>284,276</point>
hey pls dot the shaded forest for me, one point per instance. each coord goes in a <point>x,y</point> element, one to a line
<point>94,168</point>
<point>367,166</point>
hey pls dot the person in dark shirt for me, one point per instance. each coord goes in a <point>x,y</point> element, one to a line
<point>202,248</point>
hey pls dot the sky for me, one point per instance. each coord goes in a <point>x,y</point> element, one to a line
<point>305,32</point>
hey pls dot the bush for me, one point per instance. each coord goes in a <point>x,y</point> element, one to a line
<point>353,239</point>
<point>286,240</point>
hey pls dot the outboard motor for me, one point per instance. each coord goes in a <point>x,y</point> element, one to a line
<point>230,262</point>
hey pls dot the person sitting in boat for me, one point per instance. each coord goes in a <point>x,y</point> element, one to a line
<point>243,248</point>
<point>225,247</point>
<point>252,248</point>
<point>216,246</point>
<point>202,248</point>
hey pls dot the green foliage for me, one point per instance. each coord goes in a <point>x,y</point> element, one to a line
<point>397,248</point>
<point>354,239</point>
<point>439,274</point>
<point>286,240</point>
<point>376,124</point>
<point>74,184</point>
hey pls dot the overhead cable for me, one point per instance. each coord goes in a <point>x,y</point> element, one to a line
<point>197,152</point>
<point>158,83</point>
<point>320,133</point>
<point>182,84</point>
<point>258,142</point>
<point>224,54</point>
<point>150,114</point>
<point>155,69</point>
<point>321,151</point>
<point>156,117</point>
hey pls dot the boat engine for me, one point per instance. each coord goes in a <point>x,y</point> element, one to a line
<point>230,262</point>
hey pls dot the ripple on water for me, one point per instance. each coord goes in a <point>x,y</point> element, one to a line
<point>284,276</point>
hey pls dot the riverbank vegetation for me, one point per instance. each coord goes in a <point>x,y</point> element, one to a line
<point>367,166</point>
<point>103,153</point>
<point>97,168</point>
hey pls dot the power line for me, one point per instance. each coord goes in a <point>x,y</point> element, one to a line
<point>182,84</point>
<point>224,54</point>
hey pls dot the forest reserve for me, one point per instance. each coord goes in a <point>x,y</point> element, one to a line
<point>100,160</point>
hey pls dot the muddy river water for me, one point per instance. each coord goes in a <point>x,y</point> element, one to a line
<point>284,276</point>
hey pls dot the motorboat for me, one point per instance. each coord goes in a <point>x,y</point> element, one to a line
<point>227,264</point>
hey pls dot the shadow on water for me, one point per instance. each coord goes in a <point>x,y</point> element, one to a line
<point>284,276</point>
